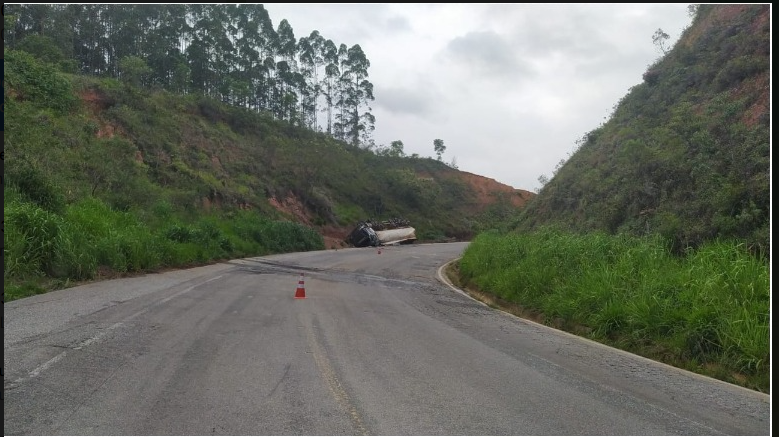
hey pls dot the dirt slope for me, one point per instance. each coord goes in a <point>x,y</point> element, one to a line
<point>488,190</point>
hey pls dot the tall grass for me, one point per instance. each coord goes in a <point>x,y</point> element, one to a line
<point>92,239</point>
<point>30,238</point>
<point>708,311</point>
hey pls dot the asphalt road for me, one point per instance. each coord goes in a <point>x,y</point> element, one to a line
<point>379,346</point>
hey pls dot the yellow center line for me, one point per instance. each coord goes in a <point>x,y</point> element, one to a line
<point>338,391</point>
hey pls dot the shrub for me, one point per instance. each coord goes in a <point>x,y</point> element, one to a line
<point>37,82</point>
<point>31,236</point>
<point>35,186</point>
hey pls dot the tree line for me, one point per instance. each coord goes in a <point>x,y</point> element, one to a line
<point>230,52</point>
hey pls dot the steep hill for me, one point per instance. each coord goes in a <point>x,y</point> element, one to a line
<point>686,153</point>
<point>138,149</point>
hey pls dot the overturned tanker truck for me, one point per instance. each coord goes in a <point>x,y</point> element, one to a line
<point>373,233</point>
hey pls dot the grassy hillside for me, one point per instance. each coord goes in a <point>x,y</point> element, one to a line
<point>96,166</point>
<point>686,153</point>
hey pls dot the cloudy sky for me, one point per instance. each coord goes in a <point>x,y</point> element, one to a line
<point>509,88</point>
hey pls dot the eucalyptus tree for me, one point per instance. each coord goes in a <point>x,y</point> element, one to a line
<point>340,96</point>
<point>13,27</point>
<point>438,146</point>
<point>368,124</point>
<point>211,51</point>
<point>90,44</point>
<point>269,91</point>
<point>264,81</point>
<point>357,92</point>
<point>125,31</point>
<point>307,68</point>
<point>248,44</point>
<point>197,50</point>
<point>63,29</point>
<point>396,149</point>
<point>660,40</point>
<point>287,67</point>
<point>25,19</point>
<point>332,74</point>
<point>285,99</point>
<point>225,53</point>
<point>167,30</point>
<point>312,57</point>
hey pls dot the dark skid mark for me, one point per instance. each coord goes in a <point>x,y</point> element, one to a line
<point>262,267</point>
<point>283,377</point>
<point>267,267</point>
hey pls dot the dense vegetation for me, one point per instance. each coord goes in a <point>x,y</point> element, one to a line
<point>686,153</point>
<point>45,249</point>
<point>231,53</point>
<point>708,311</point>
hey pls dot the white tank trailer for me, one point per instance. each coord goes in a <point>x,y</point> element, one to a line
<point>373,233</point>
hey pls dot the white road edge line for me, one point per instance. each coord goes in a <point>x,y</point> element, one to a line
<point>38,370</point>
<point>759,395</point>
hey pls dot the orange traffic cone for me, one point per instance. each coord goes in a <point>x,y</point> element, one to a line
<point>300,292</point>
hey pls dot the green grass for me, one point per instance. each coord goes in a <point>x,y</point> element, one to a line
<point>708,311</point>
<point>44,250</point>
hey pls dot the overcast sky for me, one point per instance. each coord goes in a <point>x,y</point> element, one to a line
<point>509,88</point>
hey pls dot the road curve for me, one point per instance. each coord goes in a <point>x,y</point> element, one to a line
<point>380,345</point>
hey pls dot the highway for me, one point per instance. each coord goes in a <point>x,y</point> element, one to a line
<point>380,345</point>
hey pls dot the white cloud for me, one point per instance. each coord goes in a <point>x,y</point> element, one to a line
<point>510,88</point>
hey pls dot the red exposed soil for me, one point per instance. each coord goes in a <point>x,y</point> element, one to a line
<point>489,190</point>
<point>293,208</point>
<point>97,103</point>
<point>760,108</point>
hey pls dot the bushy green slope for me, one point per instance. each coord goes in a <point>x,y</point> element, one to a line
<point>134,148</point>
<point>686,153</point>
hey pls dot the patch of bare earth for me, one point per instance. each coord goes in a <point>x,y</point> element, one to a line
<point>292,207</point>
<point>489,191</point>
<point>97,103</point>
<point>334,236</point>
<point>761,87</point>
